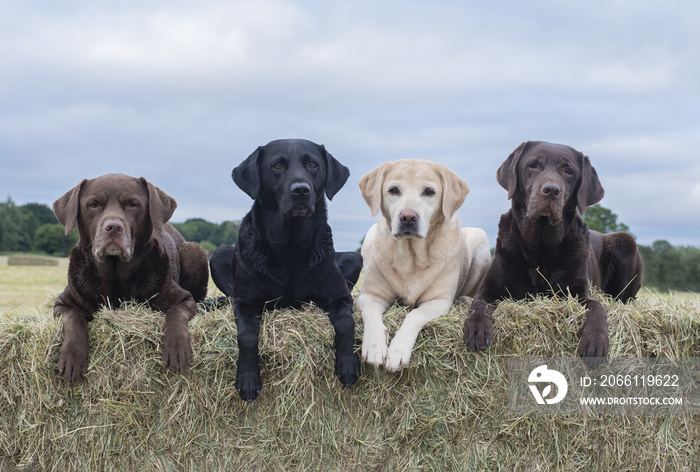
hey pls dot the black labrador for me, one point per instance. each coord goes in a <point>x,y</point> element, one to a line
<point>543,244</point>
<point>285,256</point>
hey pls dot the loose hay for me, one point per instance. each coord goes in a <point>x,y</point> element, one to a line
<point>446,411</point>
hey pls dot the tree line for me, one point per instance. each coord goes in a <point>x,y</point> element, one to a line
<point>34,228</point>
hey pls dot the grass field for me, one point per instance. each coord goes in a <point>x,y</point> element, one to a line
<point>446,411</point>
<point>26,288</point>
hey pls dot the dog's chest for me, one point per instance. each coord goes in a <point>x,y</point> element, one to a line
<point>411,282</point>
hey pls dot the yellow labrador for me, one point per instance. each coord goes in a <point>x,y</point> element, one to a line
<point>417,253</point>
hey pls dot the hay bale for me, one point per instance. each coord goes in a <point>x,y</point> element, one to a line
<point>31,261</point>
<point>446,411</point>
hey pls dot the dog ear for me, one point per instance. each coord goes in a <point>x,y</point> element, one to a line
<point>507,174</point>
<point>161,206</point>
<point>454,191</point>
<point>66,208</point>
<point>336,174</point>
<point>371,187</point>
<point>247,174</point>
<point>590,191</point>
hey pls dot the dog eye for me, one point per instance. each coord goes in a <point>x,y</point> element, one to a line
<point>277,165</point>
<point>533,165</point>
<point>394,191</point>
<point>569,170</point>
<point>312,165</point>
<point>132,204</point>
<point>92,205</point>
<point>429,192</point>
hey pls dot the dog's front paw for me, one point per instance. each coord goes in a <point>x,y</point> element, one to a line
<point>478,331</point>
<point>347,368</point>
<point>177,349</point>
<point>72,362</point>
<point>374,347</point>
<point>248,383</point>
<point>593,346</point>
<point>399,353</point>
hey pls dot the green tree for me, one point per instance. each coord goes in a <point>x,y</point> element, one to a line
<point>50,239</point>
<point>43,213</point>
<point>601,219</point>
<point>18,226</point>
<point>226,233</point>
<point>199,230</point>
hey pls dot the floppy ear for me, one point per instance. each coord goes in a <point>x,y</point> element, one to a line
<point>161,206</point>
<point>336,175</point>
<point>247,175</point>
<point>371,187</point>
<point>507,174</point>
<point>454,191</point>
<point>590,191</point>
<point>66,207</point>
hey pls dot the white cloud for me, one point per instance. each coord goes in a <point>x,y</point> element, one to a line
<point>181,92</point>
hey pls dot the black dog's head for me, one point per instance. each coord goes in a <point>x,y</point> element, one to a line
<point>291,175</point>
<point>549,180</point>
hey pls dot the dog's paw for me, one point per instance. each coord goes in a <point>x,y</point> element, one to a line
<point>347,368</point>
<point>478,332</point>
<point>248,383</point>
<point>374,347</point>
<point>593,346</point>
<point>399,354</point>
<point>72,363</point>
<point>177,350</point>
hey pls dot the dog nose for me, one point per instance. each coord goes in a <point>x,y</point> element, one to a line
<point>551,190</point>
<point>301,188</point>
<point>408,217</point>
<point>113,227</point>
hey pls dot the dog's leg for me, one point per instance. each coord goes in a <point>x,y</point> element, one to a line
<point>594,336</point>
<point>347,361</point>
<point>194,270</point>
<point>374,346</point>
<point>177,348</point>
<point>350,265</point>
<point>478,326</point>
<point>222,265</point>
<point>248,383</point>
<point>72,360</point>
<point>401,346</point>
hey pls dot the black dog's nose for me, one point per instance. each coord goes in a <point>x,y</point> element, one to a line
<point>551,190</point>
<point>300,188</point>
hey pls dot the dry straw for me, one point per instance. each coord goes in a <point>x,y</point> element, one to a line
<point>445,411</point>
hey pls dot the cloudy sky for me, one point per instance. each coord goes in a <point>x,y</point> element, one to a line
<point>180,92</point>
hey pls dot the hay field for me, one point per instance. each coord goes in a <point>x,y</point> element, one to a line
<point>25,288</point>
<point>446,411</point>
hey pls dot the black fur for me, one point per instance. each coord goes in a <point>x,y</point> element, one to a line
<point>285,256</point>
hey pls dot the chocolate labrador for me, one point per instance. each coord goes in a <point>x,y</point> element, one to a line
<point>285,256</point>
<point>544,245</point>
<point>126,251</point>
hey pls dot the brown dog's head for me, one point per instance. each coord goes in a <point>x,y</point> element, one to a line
<point>114,213</point>
<point>548,180</point>
<point>413,194</point>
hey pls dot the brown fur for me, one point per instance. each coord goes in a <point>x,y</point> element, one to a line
<point>126,251</point>
<point>543,244</point>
